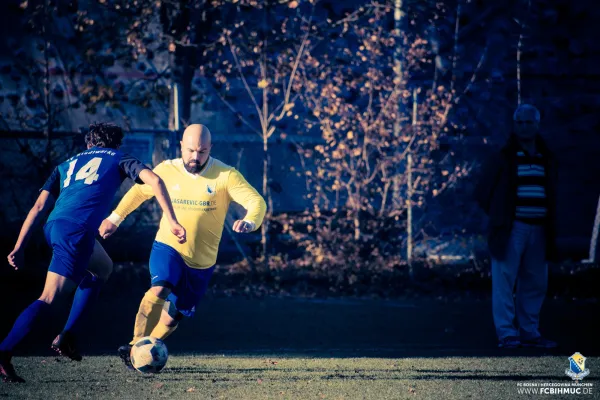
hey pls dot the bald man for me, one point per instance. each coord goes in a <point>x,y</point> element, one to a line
<point>517,191</point>
<point>201,189</point>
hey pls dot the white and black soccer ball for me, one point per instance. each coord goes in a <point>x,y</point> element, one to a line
<point>149,355</point>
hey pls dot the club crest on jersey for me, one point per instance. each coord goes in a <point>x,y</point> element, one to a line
<point>210,190</point>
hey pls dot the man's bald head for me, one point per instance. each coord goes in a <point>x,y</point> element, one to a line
<point>195,147</point>
<point>196,135</point>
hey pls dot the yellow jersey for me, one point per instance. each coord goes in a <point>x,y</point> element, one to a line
<point>200,202</point>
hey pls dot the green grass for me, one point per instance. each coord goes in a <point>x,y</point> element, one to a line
<point>244,377</point>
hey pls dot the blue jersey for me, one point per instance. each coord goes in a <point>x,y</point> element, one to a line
<point>86,184</point>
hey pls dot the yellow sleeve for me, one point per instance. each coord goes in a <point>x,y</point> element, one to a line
<point>245,195</point>
<point>134,198</point>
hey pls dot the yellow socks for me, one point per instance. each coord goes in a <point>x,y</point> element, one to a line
<point>148,316</point>
<point>161,331</point>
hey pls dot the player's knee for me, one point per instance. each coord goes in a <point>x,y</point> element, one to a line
<point>56,288</point>
<point>171,316</point>
<point>168,320</point>
<point>160,291</point>
<point>105,271</point>
<point>52,296</point>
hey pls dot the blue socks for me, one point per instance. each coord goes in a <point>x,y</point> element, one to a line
<point>24,324</point>
<point>87,292</point>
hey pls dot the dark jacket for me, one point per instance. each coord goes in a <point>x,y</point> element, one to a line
<point>496,194</point>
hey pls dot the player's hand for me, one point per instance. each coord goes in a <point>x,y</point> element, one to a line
<point>16,259</point>
<point>241,226</point>
<point>106,229</point>
<point>179,231</point>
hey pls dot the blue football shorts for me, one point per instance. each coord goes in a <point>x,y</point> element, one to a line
<point>72,246</point>
<point>188,285</point>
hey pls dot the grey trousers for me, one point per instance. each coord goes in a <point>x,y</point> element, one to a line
<point>523,272</point>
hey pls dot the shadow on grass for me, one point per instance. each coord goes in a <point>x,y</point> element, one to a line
<point>317,328</point>
<point>175,374</point>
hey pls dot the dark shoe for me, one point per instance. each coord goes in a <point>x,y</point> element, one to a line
<point>64,344</point>
<point>125,355</point>
<point>7,371</point>
<point>509,342</point>
<point>540,343</point>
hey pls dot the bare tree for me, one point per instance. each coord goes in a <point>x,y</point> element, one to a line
<point>353,89</point>
<point>256,60</point>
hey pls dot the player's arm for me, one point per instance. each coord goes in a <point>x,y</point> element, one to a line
<point>164,200</point>
<point>149,185</point>
<point>43,204</point>
<point>129,203</point>
<point>245,195</point>
<point>138,194</point>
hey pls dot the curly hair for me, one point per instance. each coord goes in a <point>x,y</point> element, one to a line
<point>104,135</point>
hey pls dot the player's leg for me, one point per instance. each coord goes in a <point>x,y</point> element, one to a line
<point>166,266</point>
<point>56,290</point>
<point>146,319</point>
<point>183,300</point>
<point>164,272</point>
<point>71,248</point>
<point>169,321</point>
<point>149,312</point>
<point>99,270</point>
<point>100,263</point>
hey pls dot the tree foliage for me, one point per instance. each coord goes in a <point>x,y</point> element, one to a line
<point>354,93</point>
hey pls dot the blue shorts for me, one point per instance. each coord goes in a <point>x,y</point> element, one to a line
<point>188,285</point>
<point>72,246</point>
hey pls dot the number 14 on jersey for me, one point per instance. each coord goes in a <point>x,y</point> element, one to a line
<point>88,172</point>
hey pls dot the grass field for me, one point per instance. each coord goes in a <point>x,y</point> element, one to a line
<point>281,377</point>
<point>295,348</point>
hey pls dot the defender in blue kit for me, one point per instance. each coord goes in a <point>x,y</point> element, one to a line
<point>81,190</point>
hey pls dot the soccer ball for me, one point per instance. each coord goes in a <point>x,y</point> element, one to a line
<point>149,355</point>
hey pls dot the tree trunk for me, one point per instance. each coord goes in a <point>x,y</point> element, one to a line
<point>409,220</point>
<point>265,189</point>
<point>357,205</point>
<point>398,70</point>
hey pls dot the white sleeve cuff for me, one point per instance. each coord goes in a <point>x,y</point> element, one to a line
<point>115,219</point>
<point>252,225</point>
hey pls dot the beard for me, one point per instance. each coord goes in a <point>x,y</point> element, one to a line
<point>194,166</point>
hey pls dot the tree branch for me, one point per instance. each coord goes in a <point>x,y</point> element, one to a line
<point>241,74</point>
<point>236,113</point>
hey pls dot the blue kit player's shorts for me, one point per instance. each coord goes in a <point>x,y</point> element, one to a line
<point>188,285</point>
<point>72,246</point>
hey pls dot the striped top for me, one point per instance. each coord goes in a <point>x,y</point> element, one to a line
<point>531,188</point>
